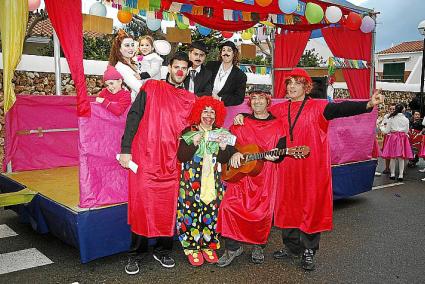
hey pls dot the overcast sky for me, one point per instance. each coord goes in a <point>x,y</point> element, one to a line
<point>397,22</point>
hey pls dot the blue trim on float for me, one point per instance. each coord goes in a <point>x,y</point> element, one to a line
<point>352,179</point>
<point>95,233</point>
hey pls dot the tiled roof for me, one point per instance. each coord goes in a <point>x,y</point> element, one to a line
<point>44,29</point>
<point>408,46</point>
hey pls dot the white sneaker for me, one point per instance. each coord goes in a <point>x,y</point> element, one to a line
<point>422,171</point>
<point>423,179</point>
<point>378,174</point>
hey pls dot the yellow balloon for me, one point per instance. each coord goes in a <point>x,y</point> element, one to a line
<point>246,35</point>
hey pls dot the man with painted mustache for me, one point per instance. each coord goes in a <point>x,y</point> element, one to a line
<point>229,82</point>
<point>198,80</point>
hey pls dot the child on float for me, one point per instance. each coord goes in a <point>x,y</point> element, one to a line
<point>148,61</point>
<point>113,97</point>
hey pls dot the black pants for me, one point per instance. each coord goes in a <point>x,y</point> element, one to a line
<point>233,245</point>
<point>139,245</point>
<point>297,241</point>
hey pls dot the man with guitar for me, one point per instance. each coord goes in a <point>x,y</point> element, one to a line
<point>303,207</point>
<point>246,211</point>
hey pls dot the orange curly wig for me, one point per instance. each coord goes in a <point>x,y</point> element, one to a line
<point>201,104</point>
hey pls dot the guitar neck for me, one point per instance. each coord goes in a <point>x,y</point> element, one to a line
<point>259,156</point>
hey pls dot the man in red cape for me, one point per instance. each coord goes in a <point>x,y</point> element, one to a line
<point>154,123</point>
<point>246,211</point>
<point>303,206</point>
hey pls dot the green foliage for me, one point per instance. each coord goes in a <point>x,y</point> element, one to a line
<point>258,60</point>
<point>310,59</point>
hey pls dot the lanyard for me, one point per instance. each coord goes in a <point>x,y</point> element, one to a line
<point>291,126</point>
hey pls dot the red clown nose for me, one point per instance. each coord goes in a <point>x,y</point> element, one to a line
<point>179,73</point>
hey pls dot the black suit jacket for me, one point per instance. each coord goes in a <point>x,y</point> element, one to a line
<point>203,86</point>
<point>233,91</point>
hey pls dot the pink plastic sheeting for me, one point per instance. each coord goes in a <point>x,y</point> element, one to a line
<point>31,151</point>
<point>102,180</point>
<point>351,138</point>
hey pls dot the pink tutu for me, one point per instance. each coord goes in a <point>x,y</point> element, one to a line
<point>397,146</point>
<point>422,151</point>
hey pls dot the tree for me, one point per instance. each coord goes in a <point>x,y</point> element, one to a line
<point>310,59</point>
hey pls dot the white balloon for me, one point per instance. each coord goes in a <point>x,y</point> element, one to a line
<point>333,14</point>
<point>368,24</point>
<point>98,9</point>
<point>153,24</point>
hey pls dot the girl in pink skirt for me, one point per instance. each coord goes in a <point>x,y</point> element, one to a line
<point>397,146</point>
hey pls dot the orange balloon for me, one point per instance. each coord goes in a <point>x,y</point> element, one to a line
<point>263,3</point>
<point>124,16</point>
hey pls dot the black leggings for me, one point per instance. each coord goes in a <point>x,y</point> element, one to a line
<point>297,241</point>
<point>139,244</point>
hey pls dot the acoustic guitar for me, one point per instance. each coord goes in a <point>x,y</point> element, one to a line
<point>253,162</point>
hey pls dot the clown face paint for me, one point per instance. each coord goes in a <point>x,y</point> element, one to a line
<point>127,48</point>
<point>178,71</point>
<point>207,118</point>
<point>227,54</point>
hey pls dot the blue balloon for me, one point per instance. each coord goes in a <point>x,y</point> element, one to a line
<point>288,6</point>
<point>203,30</point>
<point>153,24</point>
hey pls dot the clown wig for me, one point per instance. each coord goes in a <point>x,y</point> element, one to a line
<point>201,104</point>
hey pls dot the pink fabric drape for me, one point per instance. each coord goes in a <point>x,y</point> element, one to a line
<point>349,44</point>
<point>289,47</point>
<point>67,20</point>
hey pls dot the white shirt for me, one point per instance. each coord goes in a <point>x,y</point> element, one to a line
<point>191,82</point>
<point>398,123</point>
<point>221,78</point>
<point>151,64</point>
<point>130,79</point>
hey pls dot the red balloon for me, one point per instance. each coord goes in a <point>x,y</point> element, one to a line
<point>354,21</point>
<point>227,34</point>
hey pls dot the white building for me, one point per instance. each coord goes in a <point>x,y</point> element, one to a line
<point>400,63</point>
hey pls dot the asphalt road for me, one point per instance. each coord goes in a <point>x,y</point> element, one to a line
<point>378,237</point>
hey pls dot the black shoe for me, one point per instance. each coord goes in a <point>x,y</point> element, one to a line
<point>307,260</point>
<point>285,254</point>
<point>399,179</point>
<point>257,255</point>
<point>385,172</point>
<point>132,266</point>
<point>392,178</point>
<point>229,256</point>
<point>165,260</point>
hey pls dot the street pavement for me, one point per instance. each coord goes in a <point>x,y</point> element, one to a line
<point>378,237</point>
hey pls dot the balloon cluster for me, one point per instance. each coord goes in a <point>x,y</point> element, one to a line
<point>352,21</point>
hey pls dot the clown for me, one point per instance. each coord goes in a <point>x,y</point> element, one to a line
<point>201,189</point>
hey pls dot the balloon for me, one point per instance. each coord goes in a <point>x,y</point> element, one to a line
<point>246,35</point>
<point>288,6</point>
<point>98,9</point>
<point>33,5</point>
<point>263,3</point>
<point>203,30</point>
<point>162,47</point>
<point>368,25</point>
<point>124,16</point>
<point>333,14</point>
<point>153,24</point>
<point>313,13</point>
<point>354,21</point>
<point>227,34</point>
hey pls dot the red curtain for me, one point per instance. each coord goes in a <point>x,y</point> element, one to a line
<point>67,20</point>
<point>289,47</point>
<point>350,44</point>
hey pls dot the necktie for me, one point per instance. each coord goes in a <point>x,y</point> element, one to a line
<point>192,81</point>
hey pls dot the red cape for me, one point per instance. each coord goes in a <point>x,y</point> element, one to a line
<point>153,191</point>
<point>305,199</point>
<point>246,211</point>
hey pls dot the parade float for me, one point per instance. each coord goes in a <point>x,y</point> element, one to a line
<point>60,150</point>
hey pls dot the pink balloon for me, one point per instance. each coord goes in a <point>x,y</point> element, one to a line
<point>33,5</point>
<point>368,25</point>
